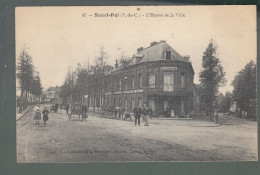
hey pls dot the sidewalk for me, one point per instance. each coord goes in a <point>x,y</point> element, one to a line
<point>172,121</point>
<point>20,115</point>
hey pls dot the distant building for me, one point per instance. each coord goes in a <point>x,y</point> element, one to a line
<point>157,76</point>
<point>52,95</point>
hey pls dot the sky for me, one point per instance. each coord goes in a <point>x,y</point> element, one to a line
<point>61,37</point>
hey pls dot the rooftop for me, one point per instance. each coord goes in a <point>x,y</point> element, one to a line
<point>155,52</point>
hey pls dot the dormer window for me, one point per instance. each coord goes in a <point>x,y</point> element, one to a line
<point>168,55</point>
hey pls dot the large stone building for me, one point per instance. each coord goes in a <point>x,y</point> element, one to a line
<point>157,76</point>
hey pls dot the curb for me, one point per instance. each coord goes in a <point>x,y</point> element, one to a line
<point>216,125</point>
<point>26,110</point>
<point>172,118</point>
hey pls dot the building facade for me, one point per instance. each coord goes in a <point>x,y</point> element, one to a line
<point>52,95</point>
<point>156,76</point>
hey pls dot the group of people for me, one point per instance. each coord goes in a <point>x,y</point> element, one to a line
<point>119,112</point>
<point>84,110</point>
<point>37,116</point>
<point>146,112</point>
<point>169,111</point>
<point>45,112</point>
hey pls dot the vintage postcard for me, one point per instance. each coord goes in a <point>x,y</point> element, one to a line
<point>136,83</point>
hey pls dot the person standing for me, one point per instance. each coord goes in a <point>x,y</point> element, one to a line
<point>137,112</point>
<point>45,113</point>
<point>146,114</point>
<point>84,112</point>
<point>150,111</point>
<point>121,114</point>
<point>67,108</point>
<point>168,111</point>
<point>56,107</point>
<point>37,116</point>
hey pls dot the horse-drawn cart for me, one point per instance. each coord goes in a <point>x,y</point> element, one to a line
<point>107,112</point>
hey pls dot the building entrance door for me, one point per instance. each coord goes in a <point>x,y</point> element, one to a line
<point>165,104</point>
<point>152,103</point>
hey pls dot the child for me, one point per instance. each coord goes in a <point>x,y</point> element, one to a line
<point>45,113</point>
<point>37,116</point>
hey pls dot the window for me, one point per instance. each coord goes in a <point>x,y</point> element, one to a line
<point>126,83</point>
<point>132,103</point>
<point>107,101</point>
<point>108,87</point>
<point>182,80</point>
<point>114,101</point>
<point>140,102</point>
<point>90,101</point>
<point>120,102</point>
<point>102,101</point>
<point>126,102</point>
<point>140,81</point>
<point>168,55</point>
<point>97,102</point>
<point>151,80</point>
<point>132,82</point>
<point>168,81</point>
<point>114,83</point>
<point>120,84</point>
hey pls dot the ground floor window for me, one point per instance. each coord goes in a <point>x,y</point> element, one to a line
<point>165,104</point>
<point>126,102</point>
<point>139,102</point>
<point>107,101</point>
<point>114,101</point>
<point>120,102</point>
<point>132,103</point>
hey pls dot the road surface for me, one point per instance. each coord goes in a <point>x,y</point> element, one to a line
<point>101,140</point>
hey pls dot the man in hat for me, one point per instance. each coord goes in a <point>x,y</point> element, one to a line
<point>137,112</point>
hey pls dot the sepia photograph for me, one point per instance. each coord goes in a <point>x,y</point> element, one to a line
<point>136,84</point>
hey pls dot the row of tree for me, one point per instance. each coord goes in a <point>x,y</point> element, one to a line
<point>28,79</point>
<point>212,77</point>
<point>76,81</point>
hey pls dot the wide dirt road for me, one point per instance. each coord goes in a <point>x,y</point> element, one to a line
<point>99,139</point>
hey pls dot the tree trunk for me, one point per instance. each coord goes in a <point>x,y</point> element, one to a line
<point>217,117</point>
<point>21,102</point>
<point>26,99</point>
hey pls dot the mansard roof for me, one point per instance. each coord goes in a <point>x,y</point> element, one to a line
<point>154,52</point>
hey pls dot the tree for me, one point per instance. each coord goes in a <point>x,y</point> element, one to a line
<point>225,102</point>
<point>36,87</point>
<point>25,76</point>
<point>68,88</point>
<point>212,76</point>
<point>81,81</point>
<point>245,87</point>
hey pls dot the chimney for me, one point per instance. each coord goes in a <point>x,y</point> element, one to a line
<point>116,65</point>
<point>140,49</point>
<point>153,43</point>
<point>186,57</point>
